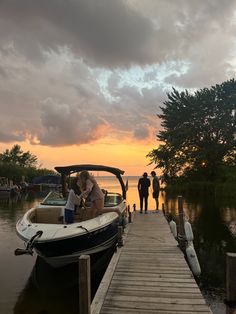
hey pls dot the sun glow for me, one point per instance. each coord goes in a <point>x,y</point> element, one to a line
<point>130,157</point>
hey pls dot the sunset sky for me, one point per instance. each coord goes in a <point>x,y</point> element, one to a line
<point>82,81</point>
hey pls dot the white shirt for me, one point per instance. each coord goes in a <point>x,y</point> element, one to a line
<point>73,199</point>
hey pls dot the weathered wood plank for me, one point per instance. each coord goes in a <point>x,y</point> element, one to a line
<point>168,289</point>
<point>155,279</point>
<point>111,310</point>
<point>155,293</point>
<point>124,298</point>
<point>170,269</point>
<point>154,284</point>
<point>146,274</point>
<point>156,306</point>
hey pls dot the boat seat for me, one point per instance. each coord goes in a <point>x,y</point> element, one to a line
<point>50,215</point>
<point>82,214</point>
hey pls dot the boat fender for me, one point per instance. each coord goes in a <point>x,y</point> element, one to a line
<point>123,221</point>
<point>188,231</point>
<point>193,260</point>
<point>173,228</point>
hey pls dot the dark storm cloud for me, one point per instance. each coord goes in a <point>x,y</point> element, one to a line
<point>10,137</point>
<point>118,33</point>
<point>102,32</point>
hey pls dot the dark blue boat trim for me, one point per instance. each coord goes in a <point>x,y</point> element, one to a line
<point>80,243</point>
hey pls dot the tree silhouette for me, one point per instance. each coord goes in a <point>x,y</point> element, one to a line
<point>198,133</point>
<point>16,156</point>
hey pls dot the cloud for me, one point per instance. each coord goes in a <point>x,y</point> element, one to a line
<point>67,125</point>
<point>76,71</point>
<point>115,33</point>
<point>102,32</point>
<point>6,137</point>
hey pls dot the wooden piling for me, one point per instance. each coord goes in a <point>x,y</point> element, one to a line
<point>84,285</point>
<point>120,236</point>
<point>230,283</point>
<point>163,209</point>
<point>181,232</point>
<point>129,215</point>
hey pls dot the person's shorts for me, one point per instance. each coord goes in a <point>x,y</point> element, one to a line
<point>69,216</point>
<point>155,194</point>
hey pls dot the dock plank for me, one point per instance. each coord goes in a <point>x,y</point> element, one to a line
<point>149,274</point>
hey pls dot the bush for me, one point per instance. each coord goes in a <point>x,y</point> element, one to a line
<point>16,172</point>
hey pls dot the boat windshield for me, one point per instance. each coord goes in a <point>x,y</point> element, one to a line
<point>54,198</point>
<point>112,199</point>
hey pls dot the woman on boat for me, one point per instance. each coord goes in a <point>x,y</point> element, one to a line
<point>72,200</point>
<point>89,187</point>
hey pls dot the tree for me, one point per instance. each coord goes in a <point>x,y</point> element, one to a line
<point>198,133</point>
<point>16,156</point>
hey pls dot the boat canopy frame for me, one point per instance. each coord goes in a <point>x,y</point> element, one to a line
<point>68,170</point>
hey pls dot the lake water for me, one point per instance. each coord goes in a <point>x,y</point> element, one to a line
<point>29,286</point>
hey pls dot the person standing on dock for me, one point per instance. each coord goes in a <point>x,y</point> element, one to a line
<point>143,188</point>
<point>155,188</point>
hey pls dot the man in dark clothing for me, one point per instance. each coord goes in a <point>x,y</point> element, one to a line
<point>143,187</point>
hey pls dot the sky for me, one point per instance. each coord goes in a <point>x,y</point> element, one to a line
<point>82,81</point>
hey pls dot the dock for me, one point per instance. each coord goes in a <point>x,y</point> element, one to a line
<point>149,274</point>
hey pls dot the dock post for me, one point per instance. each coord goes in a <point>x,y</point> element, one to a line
<point>134,207</point>
<point>163,209</point>
<point>120,238</point>
<point>129,215</point>
<point>84,285</point>
<point>230,283</point>
<point>181,232</point>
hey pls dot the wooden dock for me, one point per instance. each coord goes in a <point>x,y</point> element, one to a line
<point>149,274</point>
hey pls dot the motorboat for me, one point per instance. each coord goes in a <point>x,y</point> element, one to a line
<point>43,230</point>
<point>8,189</point>
<point>45,183</point>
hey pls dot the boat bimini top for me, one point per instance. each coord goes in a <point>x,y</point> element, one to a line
<point>68,170</point>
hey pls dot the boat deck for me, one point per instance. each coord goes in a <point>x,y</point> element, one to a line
<point>149,274</point>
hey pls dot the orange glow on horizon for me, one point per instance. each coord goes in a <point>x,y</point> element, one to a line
<point>130,157</point>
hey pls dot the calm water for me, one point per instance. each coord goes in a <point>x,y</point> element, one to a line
<point>29,286</point>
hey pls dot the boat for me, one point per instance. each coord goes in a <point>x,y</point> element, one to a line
<point>42,228</point>
<point>8,189</point>
<point>45,183</point>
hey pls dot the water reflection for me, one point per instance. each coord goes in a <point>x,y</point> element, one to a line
<point>49,290</point>
<point>55,290</point>
<point>213,225</point>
